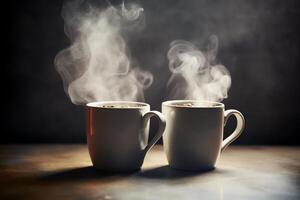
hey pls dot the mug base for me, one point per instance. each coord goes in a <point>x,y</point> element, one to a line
<point>116,170</point>
<point>193,169</point>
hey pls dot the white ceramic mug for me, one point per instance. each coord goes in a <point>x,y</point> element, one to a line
<point>117,134</point>
<point>193,138</point>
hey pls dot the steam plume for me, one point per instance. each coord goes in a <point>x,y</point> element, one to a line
<point>97,64</point>
<point>195,74</point>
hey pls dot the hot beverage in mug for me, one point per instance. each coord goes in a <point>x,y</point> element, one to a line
<point>117,134</point>
<point>193,139</point>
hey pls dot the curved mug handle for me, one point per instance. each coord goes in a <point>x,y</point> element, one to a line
<point>238,130</point>
<point>161,127</point>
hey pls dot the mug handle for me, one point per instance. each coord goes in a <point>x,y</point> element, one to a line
<point>161,127</point>
<point>238,130</point>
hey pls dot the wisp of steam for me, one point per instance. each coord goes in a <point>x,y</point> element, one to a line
<point>97,65</point>
<point>195,74</point>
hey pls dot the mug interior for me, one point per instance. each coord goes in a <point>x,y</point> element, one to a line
<point>117,104</point>
<point>193,104</point>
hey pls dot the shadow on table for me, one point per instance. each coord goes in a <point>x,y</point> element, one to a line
<point>90,173</point>
<point>165,172</point>
<point>82,173</point>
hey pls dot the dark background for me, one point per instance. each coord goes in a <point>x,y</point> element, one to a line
<point>259,44</point>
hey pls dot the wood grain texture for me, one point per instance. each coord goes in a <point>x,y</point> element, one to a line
<point>65,172</point>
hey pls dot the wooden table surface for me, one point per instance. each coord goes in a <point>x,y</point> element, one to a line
<point>65,172</point>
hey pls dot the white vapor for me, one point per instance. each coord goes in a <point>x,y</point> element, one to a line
<point>194,72</point>
<point>97,65</point>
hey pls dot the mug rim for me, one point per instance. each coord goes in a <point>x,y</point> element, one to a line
<point>211,104</point>
<point>98,104</point>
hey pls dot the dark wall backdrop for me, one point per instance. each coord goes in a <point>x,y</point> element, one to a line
<point>259,44</point>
